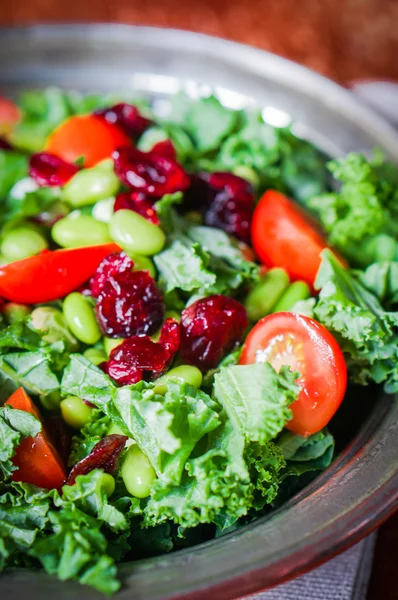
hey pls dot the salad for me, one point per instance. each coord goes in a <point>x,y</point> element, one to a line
<point>185,292</point>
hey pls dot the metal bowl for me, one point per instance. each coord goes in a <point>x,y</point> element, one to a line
<point>360,489</point>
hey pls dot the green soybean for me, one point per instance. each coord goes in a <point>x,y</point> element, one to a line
<point>135,234</point>
<point>143,263</point>
<point>298,290</point>
<point>182,374</point>
<point>90,185</point>
<point>114,429</point>
<point>108,483</point>
<point>14,312</point>
<point>95,355</point>
<point>137,473</point>
<point>75,412</point>
<point>111,343</point>
<point>80,230</point>
<point>150,137</point>
<point>247,173</point>
<point>51,320</point>
<point>80,318</point>
<point>22,242</point>
<point>52,401</point>
<point>263,297</point>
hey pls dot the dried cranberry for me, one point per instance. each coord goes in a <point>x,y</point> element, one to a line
<point>104,456</point>
<point>165,148</point>
<point>129,303</point>
<point>210,328</point>
<point>225,200</point>
<point>127,116</point>
<point>111,265</point>
<point>50,170</point>
<point>138,202</point>
<point>4,145</point>
<point>139,357</point>
<point>149,172</point>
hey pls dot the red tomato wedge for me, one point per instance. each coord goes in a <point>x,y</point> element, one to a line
<point>9,115</point>
<point>51,274</point>
<point>87,136</point>
<point>306,346</point>
<point>283,235</point>
<point>37,460</point>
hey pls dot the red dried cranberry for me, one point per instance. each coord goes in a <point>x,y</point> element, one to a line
<point>50,170</point>
<point>129,303</point>
<point>165,148</point>
<point>111,265</point>
<point>139,357</point>
<point>104,456</point>
<point>225,200</point>
<point>4,145</point>
<point>170,335</point>
<point>210,328</point>
<point>148,172</point>
<point>138,202</point>
<point>127,116</point>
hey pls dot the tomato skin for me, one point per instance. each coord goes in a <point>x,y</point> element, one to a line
<point>37,460</point>
<point>52,274</point>
<point>87,136</point>
<point>283,235</point>
<point>306,346</point>
<point>9,115</point>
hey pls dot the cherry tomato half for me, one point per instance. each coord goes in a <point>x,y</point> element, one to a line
<point>87,136</point>
<point>37,460</point>
<point>307,347</point>
<point>9,115</point>
<point>283,235</point>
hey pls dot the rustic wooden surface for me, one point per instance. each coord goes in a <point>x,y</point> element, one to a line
<point>344,39</point>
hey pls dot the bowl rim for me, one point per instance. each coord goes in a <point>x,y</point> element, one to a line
<point>379,432</point>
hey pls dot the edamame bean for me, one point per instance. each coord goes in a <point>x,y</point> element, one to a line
<point>51,320</point>
<point>75,412</point>
<point>263,297</point>
<point>79,230</point>
<point>90,185</point>
<point>298,290</point>
<point>135,234</point>
<point>137,473</point>
<point>14,312</point>
<point>182,374</point>
<point>103,210</point>
<point>247,173</point>
<point>108,484</point>
<point>95,355</point>
<point>80,318</point>
<point>114,429</point>
<point>150,137</point>
<point>52,401</point>
<point>111,343</point>
<point>22,242</point>
<point>143,263</point>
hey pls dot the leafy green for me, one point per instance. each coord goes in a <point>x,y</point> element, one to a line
<point>209,123</point>
<point>382,280</point>
<point>365,205</point>
<point>31,204</point>
<point>304,454</point>
<point>183,267</point>
<point>365,331</point>
<point>256,398</point>
<point>14,426</point>
<point>89,436</point>
<point>13,167</point>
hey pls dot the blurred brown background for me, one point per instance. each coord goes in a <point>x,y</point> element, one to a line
<point>344,39</point>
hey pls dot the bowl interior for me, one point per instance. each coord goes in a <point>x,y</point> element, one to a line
<point>359,489</point>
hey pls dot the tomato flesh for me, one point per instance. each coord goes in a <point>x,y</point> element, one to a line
<point>37,460</point>
<point>86,136</point>
<point>285,236</point>
<point>307,347</point>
